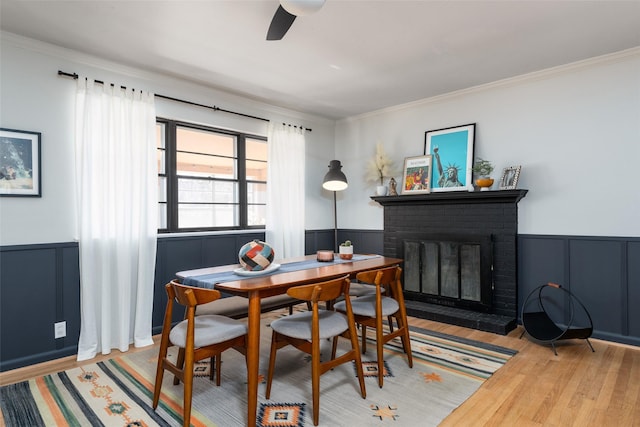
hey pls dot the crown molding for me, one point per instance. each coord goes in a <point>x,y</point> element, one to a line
<point>511,81</point>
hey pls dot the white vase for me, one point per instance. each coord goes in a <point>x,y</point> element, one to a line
<point>346,252</point>
<point>381,190</point>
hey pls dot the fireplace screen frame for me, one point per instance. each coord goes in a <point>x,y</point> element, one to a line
<point>442,244</point>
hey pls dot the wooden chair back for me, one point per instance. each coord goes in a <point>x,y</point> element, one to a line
<point>389,278</point>
<point>190,296</point>
<point>187,296</point>
<point>320,292</point>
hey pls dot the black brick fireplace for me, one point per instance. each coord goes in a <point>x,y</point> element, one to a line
<point>487,224</point>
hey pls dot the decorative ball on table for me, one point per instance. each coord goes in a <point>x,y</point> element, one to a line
<point>256,255</point>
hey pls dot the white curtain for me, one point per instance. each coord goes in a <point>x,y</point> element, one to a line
<point>116,190</point>
<point>285,190</point>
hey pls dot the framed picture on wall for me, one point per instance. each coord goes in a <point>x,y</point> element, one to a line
<point>19,163</point>
<point>452,151</point>
<point>416,177</point>
<point>510,176</point>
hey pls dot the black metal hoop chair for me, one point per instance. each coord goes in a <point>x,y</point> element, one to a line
<point>540,326</point>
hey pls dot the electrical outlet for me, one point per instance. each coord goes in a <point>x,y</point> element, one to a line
<point>60,330</point>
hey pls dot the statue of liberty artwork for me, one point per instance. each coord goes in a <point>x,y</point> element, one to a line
<point>452,151</point>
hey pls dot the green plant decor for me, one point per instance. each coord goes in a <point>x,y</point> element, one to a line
<point>346,243</point>
<point>482,168</point>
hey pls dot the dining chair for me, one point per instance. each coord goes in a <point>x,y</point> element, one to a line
<point>305,331</point>
<point>197,338</point>
<point>370,310</point>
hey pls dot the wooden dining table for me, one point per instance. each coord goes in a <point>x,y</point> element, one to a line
<point>257,287</point>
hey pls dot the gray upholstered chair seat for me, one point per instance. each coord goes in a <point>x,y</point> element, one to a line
<point>361,289</point>
<point>366,306</point>
<point>299,325</point>
<point>209,329</point>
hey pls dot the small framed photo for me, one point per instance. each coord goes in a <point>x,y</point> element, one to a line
<point>19,163</point>
<point>509,180</point>
<point>452,151</point>
<point>416,177</point>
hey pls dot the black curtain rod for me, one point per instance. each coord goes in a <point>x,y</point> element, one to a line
<point>170,98</point>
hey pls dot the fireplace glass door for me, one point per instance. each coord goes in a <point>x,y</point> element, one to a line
<point>449,271</point>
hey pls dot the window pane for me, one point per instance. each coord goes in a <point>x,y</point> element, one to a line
<point>162,181</point>
<point>162,189</point>
<point>207,191</point>
<point>205,165</point>
<point>256,149</point>
<point>256,193</point>
<point>256,170</point>
<point>203,216</point>
<point>203,175</point>
<point>161,158</point>
<point>257,214</point>
<point>200,141</point>
<point>162,215</point>
<point>160,143</point>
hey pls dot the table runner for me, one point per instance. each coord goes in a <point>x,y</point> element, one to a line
<point>209,280</point>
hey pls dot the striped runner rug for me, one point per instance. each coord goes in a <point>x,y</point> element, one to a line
<point>447,370</point>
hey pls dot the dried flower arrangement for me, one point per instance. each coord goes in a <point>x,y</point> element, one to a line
<point>380,167</point>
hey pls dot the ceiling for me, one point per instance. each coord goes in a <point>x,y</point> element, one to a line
<point>349,58</point>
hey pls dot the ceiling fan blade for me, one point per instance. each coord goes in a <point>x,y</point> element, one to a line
<point>280,24</point>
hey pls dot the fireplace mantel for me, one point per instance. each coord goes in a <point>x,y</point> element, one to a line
<point>493,214</point>
<point>453,197</point>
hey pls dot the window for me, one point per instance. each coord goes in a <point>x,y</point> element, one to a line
<point>209,179</point>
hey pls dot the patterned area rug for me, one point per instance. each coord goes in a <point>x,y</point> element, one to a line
<point>447,370</point>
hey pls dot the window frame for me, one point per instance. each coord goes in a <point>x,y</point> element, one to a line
<point>171,176</point>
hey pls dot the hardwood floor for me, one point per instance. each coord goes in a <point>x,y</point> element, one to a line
<point>28,372</point>
<point>535,388</point>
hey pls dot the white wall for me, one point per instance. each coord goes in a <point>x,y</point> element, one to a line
<point>575,130</point>
<point>34,98</point>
